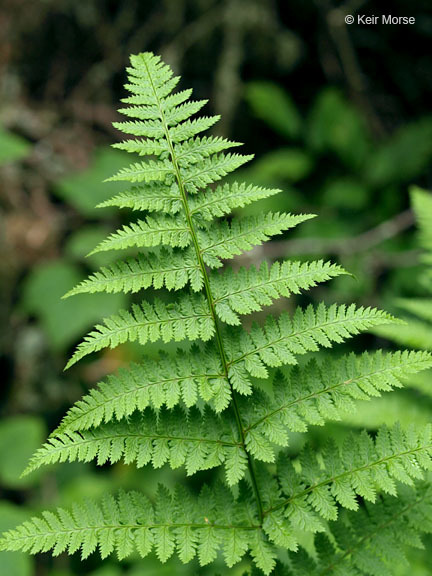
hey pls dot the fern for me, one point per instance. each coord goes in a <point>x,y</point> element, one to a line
<point>371,541</point>
<point>417,312</point>
<point>205,406</point>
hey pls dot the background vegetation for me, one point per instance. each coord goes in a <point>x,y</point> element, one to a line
<point>339,117</point>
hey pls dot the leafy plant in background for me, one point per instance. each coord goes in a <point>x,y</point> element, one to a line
<point>331,161</point>
<point>334,130</point>
<point>417,333</point>
<point>417,310</point>
<point>232,398</point>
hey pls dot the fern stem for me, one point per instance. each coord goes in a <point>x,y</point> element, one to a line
<point>210,300</point>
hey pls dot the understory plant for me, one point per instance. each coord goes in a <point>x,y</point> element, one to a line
<point>232,398</point>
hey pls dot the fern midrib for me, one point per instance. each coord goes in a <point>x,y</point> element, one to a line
<point>227,241</point>
<point>81,441</point>
<point>369,536</point>
<point>209,296</point>
<point>269,282</point>
<point>95,280</point>
<point>326,390</point>
<point>138,325</point>
<point>207,169</point>
<point>159,230</point>
<point>134,391</point>
<point>137,527</point>
<point>346,473</point>
<point>217,200</point>
<point>256,351</point>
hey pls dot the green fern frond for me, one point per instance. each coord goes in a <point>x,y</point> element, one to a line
<point>173,114</point>
<point>193,151</point>
<point>191,128</point>
<point>149,171</point>
<point>188,319</point>
<point>372,541</point>
<point>131,523</point>
<point>154,231</point>
<point>142,147</point>
<point>168,381</point>
<point>318,392</point>
<point>186,408</point>
<point>153,198</point>
<point>204,442</point>
<point>226,240</point>
<point>215,203</point>
<point>310,489</point>
<point>211,170</point>
<point>170,269</point>
<point>280,341</point>
<point>249,290</point>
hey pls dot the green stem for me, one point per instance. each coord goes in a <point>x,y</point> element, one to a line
<point>210,300</point>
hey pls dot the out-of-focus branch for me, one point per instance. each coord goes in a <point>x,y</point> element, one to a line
<point>342,246</point>
<point>338,32</point>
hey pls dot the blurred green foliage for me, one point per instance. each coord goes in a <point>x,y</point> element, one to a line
<point>84,190</point>
<point>12,147</point>
<point>64,320</point>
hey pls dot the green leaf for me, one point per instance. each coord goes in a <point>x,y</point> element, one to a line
<point>20,436</point>
<point>12,147</point>
<point>63,321</point>
<point>74,189</point>
<point>12,564</point>
<point>271,103</point>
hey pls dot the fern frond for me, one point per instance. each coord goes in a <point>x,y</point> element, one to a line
<point>193,151</point>
<point>174,408</point>
<point>422,204</point>
<point>362,466</point>
<point>131,523</point>
<point>279,341</point>
<point>249,290</point>
<point>226,240</point>
<point>149,129</point>
<point>315,393</point>
<point>205,441</point>
<point>153,198</point>
<point>188,319</point>
<point>168,381</point>
<point>154,231</point>
<point>142,147</point>
<point>173,114</point>
<point>373,540</point>
<point>191,128</point>
<point>149,171</point>
<point>211,170</point>
<point>214,203</point>
<point>170,269</point>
